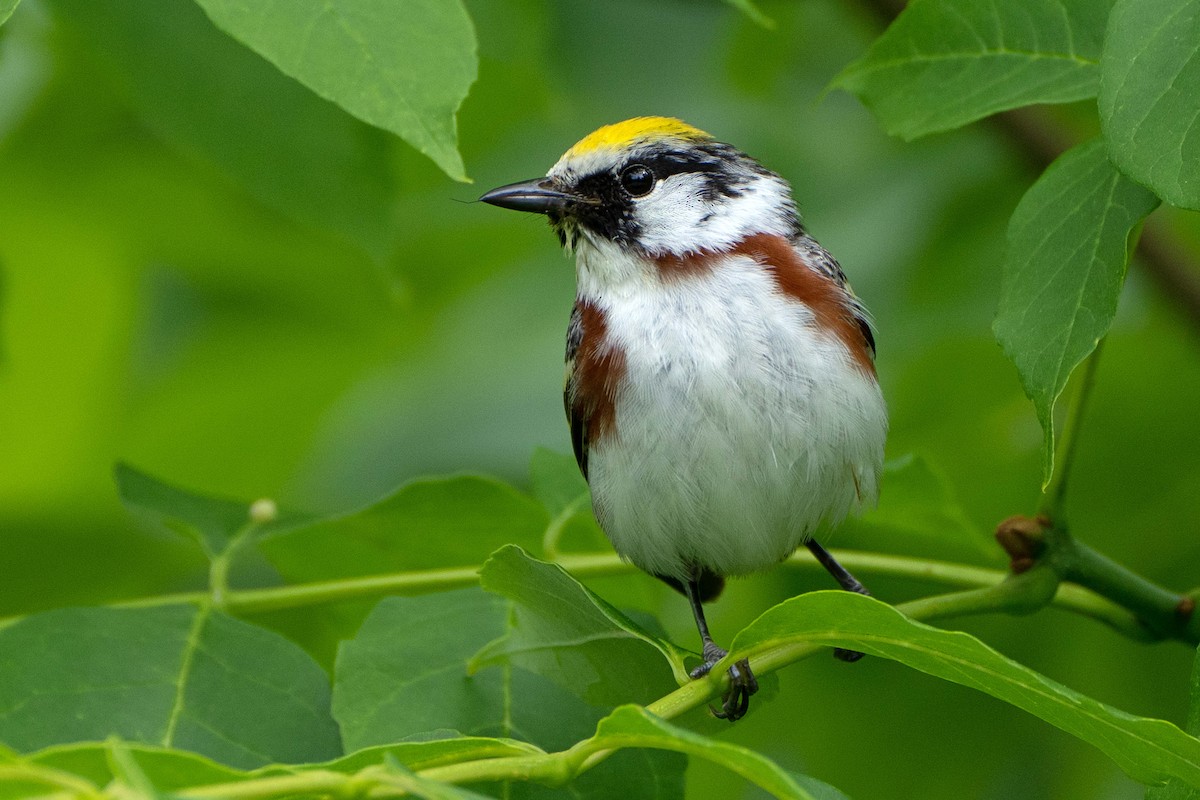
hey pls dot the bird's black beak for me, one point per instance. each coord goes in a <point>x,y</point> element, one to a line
<point>537,196</point>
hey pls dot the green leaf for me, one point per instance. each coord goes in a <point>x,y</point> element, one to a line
<point>20,779</point>
<point>1176,789</point>
<point>6,9</point>
<point>818,789</point>
<point>752,11</point>
<point>917,506</point>
<point>211,96</point>
<point>1068,248</point>
<point>127,773</point>
<point>211,522</point>
<point>395,776</point>
<point>565,632</point>
<point>944,63</point>
<point>633,726</point>
<point>172,770</point>
<point>166,769</point>
<point>428,523</point>
<point>402,66</point>
<point>405,674</point>
<point>422,755</point>
<point>1149,750</point>
<point>632,774</point>
<point>177,676</point>
<point>1150,96</point>
<point>412,649</point>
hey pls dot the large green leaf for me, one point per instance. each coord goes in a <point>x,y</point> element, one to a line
<point>213,97</point>
<point>1149,750</point>
<point>411,649</point>
<point>1068,248</point>
<point>211,522</point>
<point>633,726</point>
<point>565,632</point>
<point>177,676</point>
<point>1150,96</point>
<point>1175,788</point>
<point>944,63</point>
<point>428,523</point>
<point>403,65</point>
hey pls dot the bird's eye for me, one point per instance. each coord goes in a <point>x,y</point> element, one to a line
<point>637,179</point>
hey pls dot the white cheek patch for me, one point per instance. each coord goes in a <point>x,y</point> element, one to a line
<point>677,217</point>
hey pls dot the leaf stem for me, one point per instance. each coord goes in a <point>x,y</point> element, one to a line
<point>589,565</point>
<point>310,782</point>
<point>34,773</point>
<point>1054,496</point>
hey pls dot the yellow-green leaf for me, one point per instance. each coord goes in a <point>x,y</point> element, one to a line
<point>402,65</point>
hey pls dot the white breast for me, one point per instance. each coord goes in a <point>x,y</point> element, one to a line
<point>739,429</point>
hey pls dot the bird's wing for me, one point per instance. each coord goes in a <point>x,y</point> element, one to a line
<point>576,414</point>
<point>817,257</point>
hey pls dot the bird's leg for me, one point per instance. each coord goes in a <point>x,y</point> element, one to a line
<point>742,682</point>
<point>847,582</point>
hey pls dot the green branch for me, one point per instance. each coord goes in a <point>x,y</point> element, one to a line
<point>246,602</point>
<point>1163,614</point>
<point>1135,606</point>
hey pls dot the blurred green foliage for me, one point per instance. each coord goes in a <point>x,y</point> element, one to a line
<point>210,273</point>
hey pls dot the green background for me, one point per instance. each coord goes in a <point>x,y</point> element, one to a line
<point>165,300</point>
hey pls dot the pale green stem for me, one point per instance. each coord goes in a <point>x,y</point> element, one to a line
<point>554,530</point>
<point>302,783</point>
<point>33,773</point>
<point>257,601</point>
<point>1054,496</point>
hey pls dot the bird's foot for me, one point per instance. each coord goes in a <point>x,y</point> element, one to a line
<point>846,581</point>
<point>742,683</point>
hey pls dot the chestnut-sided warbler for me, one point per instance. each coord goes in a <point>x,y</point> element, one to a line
<point>721,385</point>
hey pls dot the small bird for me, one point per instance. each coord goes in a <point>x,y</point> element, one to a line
<point>721,386</point>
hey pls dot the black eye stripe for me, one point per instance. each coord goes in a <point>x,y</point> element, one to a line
<point>611,207</point>
<point>667,164</point>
